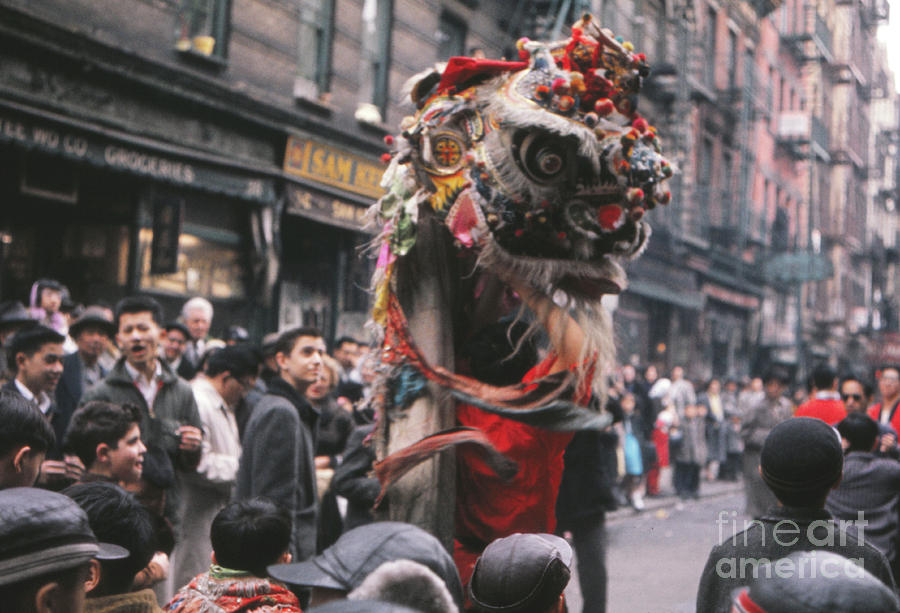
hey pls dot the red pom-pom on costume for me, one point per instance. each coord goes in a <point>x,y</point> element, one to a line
<point>640,124</point>
<point>389,140</point>
<point>560,86</point>
<point>609,216</point>
<point>386,158</point>
<point>604,107</point>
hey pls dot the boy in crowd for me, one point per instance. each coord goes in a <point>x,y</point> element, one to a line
<point>801,462</point>
<point>247,536</point>
<point>24,440</point>
<point>35,355</point>
<point>280,439</point>
<point>106,437</point>
<point>116,517</point>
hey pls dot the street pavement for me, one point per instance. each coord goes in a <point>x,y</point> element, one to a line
<point>655,557</point>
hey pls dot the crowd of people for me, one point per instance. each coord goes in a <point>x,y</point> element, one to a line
<point>146,464</point>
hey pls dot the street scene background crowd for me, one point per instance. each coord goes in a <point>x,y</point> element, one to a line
<point>213,463</point>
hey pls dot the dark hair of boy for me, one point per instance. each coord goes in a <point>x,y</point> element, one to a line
<point>495,356</point>
<point>98,422</point>
<point>23,425</point>
<point>116,517</point>
<point>859,430</point>
<point>139,304</point>
<point>823,377</point>
<point>29,341</point>
<point>288,338</point>
<point>345,339</point>
<point>250,535</point>
<point>239,360</point>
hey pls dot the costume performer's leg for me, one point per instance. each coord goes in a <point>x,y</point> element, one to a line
<point>589,540</point>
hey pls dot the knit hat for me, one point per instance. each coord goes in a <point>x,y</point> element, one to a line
<point>520,573</point>
<point>802,455</point>
<point>43,532</point>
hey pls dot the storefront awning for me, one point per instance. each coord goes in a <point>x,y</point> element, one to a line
<point>686,299</point>
<point>54,134</point>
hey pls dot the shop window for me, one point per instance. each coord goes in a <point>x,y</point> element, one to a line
<point>210,266</point>
<point>375,61</point>
<point>316,19</point>
<point>451,36</point>
<point>202,28</point>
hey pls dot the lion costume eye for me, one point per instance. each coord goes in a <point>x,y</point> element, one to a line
<point>544,157</point>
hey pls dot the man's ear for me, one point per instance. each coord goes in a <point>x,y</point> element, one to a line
<point>21,456</point>
<point>285,558</point>
<point>93,578</point>
<point>281,360</point>
<point>51,597</point>
<point>20,360</point>
<point>101,453</point>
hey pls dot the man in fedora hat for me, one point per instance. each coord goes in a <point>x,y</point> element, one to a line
<point>82,369</point>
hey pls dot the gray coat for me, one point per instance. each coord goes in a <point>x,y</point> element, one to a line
<point>173,407</point>
<point>756,423</point>
<point>277,461</point>
<point>870,484</point>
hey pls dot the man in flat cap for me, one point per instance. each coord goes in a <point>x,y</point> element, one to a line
<point>47,550</point>
<point>801,461</point>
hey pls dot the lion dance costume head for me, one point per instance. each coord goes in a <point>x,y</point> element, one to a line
<point>541,168</point>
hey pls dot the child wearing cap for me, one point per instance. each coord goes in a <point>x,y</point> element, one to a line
<point>247,536</point>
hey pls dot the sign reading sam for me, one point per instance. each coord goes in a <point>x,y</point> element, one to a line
<point>333,166</point>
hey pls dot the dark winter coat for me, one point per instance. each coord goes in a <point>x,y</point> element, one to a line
<point>353,480</point>
<point>739,553</point>
<point>278,462</point>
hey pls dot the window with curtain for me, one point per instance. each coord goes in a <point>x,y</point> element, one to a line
<point>375,46</point>
<point>202,27</point>
<point>314,38</point>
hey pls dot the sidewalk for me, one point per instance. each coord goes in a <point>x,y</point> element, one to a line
<point>708,489</point>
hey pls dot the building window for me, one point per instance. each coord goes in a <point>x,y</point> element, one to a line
<point>316,18</point>
<point>727,194</point>
<point>205,267</point>
<point>202,27</point>
<point>732,58</point>
<point>451,36</point>
<point>711,46</point>
<point>375,61</point>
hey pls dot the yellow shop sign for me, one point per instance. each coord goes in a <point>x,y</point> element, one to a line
<point>332,166</point>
